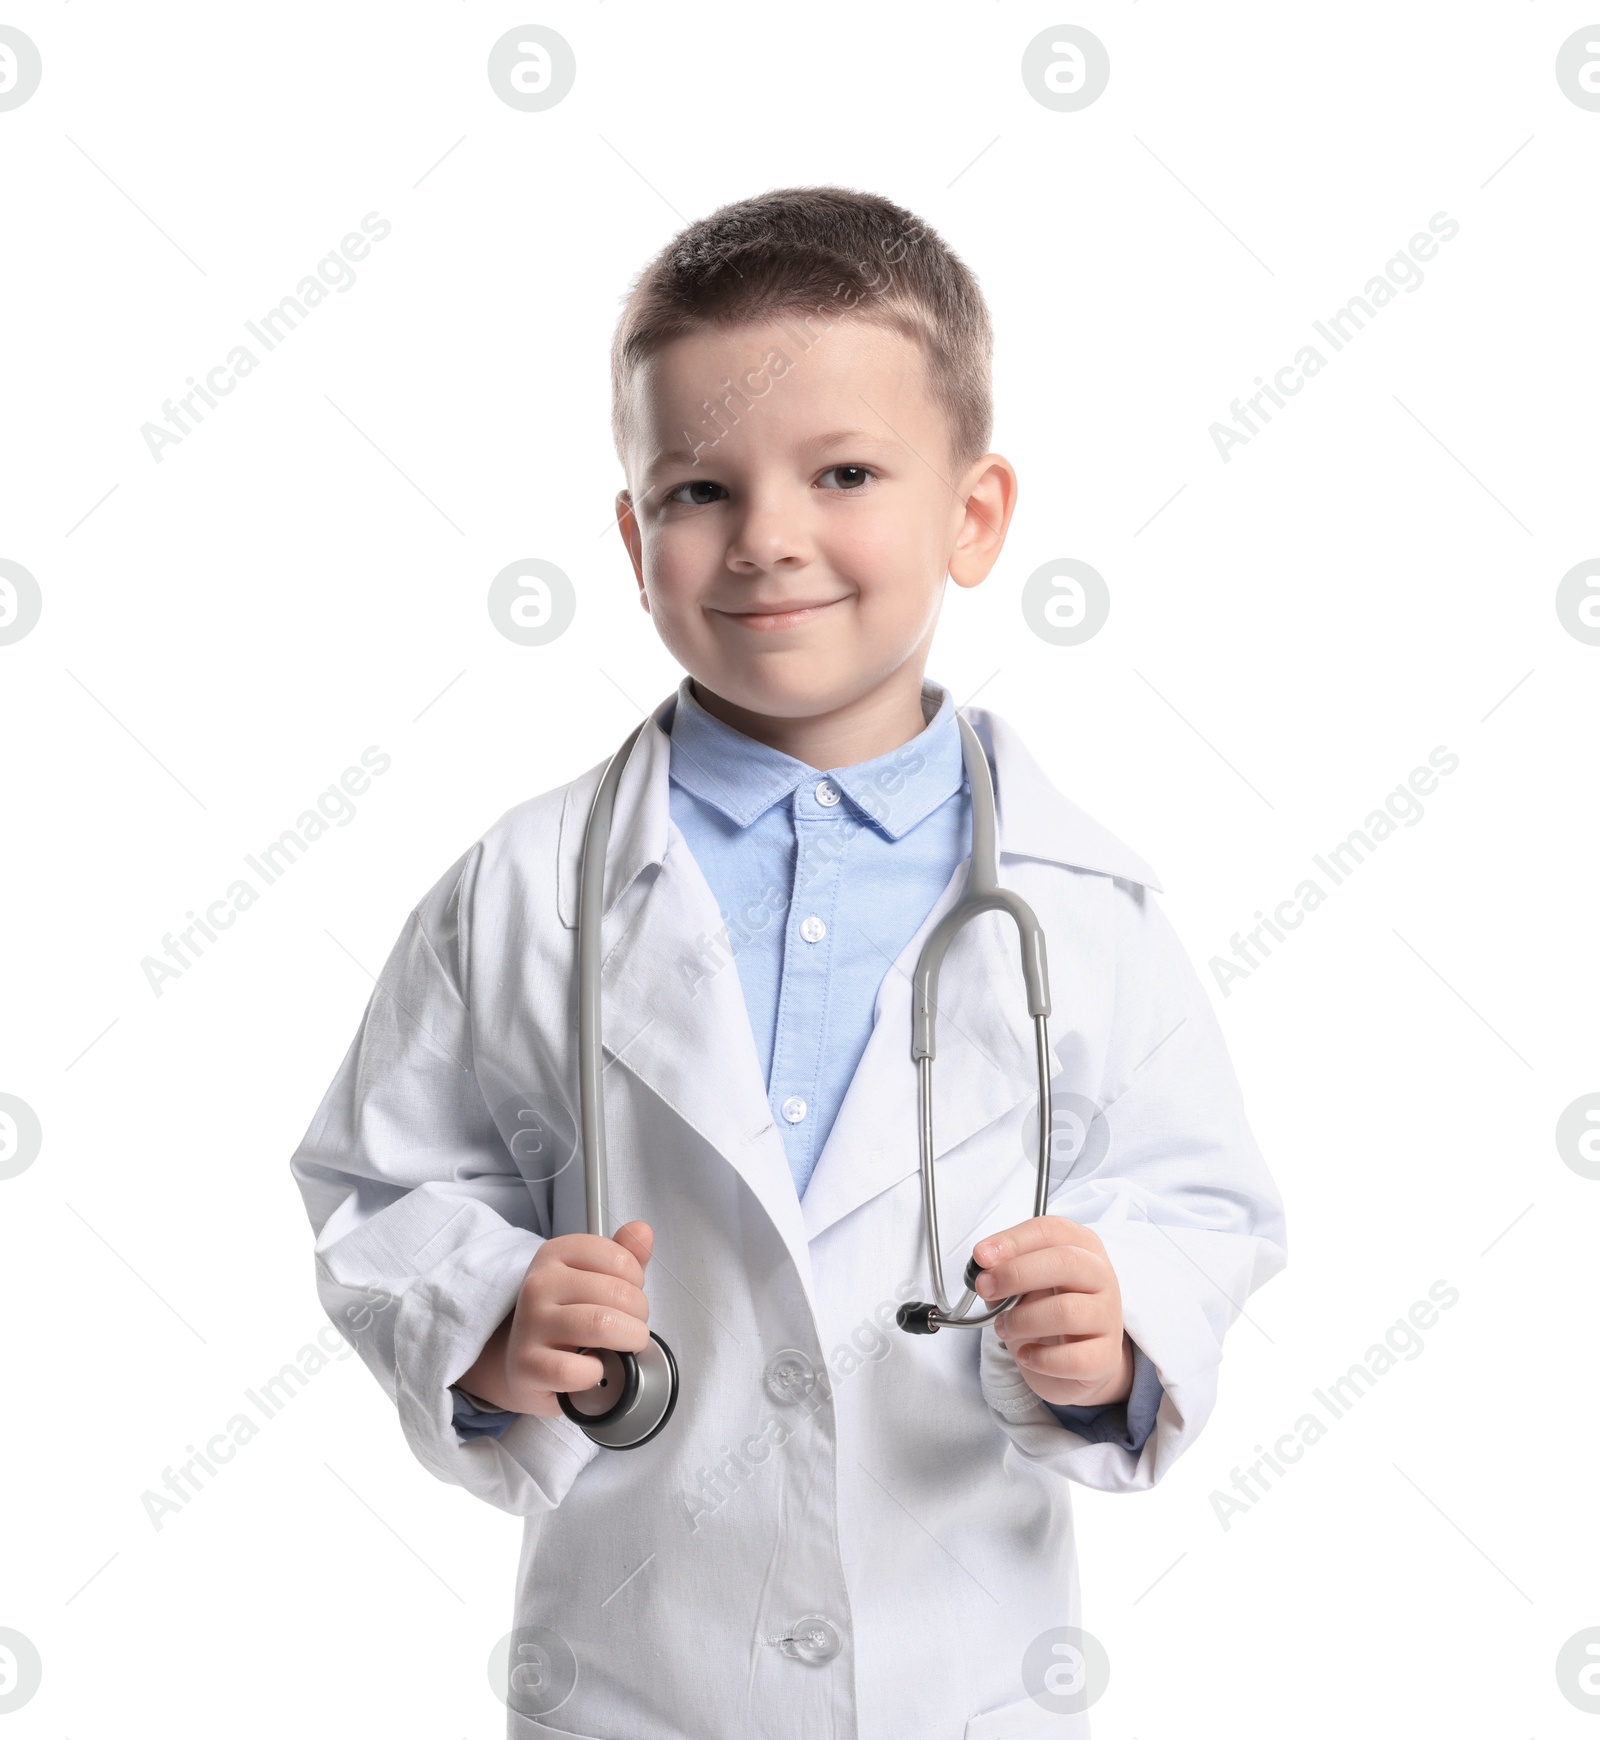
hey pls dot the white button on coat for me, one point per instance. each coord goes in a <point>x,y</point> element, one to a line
<point>813,1638</point>
<point>790,1376</point>
<point>920,1495</point>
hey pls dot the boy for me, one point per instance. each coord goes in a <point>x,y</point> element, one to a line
<point>843,1530</point>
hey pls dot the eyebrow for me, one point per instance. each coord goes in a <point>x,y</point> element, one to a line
<point>837,435</point>
<point>673,456</point>
<point>676,456</point>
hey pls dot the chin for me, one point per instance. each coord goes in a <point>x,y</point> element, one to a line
<point>775,694</point>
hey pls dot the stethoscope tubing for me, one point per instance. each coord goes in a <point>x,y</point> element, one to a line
<point>943,1316</point>
<point>591,1059</point>
<point>649,1381</point>
<point>980,893</point>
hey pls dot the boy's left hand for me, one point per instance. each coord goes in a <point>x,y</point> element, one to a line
<point>1065,1332</point>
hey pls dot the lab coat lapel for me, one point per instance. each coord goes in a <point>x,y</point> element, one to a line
<point>985,1065</point>
<point>674,1014</point>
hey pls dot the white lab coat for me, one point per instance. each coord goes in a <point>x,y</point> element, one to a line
<point>920,1497</point>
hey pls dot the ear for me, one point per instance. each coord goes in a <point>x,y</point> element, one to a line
<point>986,497</point>
<point>629,528</point>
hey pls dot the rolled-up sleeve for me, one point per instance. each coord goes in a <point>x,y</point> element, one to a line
<point>1127,1423</point>
<point>424,1226</point>
<point>471,1421</point>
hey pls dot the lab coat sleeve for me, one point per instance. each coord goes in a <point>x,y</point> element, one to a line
<point>424,1226</point>
<point>1180,1198</point>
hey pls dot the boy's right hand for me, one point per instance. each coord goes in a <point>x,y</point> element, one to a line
<point>580,1291</point>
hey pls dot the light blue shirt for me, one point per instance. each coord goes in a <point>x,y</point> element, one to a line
<point>822,878</point>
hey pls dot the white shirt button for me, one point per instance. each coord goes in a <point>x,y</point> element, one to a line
<point>828,793</point>
<point>793,1108</point>
<point>813,929</point>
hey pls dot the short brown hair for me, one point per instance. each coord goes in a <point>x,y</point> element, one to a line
<point>828,251</point>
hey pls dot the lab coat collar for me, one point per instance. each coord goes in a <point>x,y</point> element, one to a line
<point>1035,821</point>
<point>676,1018</point>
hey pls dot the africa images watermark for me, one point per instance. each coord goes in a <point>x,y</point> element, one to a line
<point>183,1483</point>
<point>1403,805</point>
<point>1402,1339</point>
<point>273,862</point>
<point>803,1388</point>
<point>1402,272</point>
<point>274,326</point>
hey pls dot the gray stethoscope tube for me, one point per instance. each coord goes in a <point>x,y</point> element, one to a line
<point>637,1392</point>
<point>636,1396</point>
<point>981,893</point>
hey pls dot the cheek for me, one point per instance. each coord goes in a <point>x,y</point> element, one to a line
<point>674,559</point>
<point>881,550</point>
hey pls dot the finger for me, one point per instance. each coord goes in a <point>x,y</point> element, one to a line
<point>637,1237</point>
<point>603,1256</point>
<point>562,1285</point>
<point>557,1369</point>
<point>588,1325</point>
<point>1043,1231</point>
<point>1043,1316</point>
<point>1086,1361</point>
<point>1070,1266</point>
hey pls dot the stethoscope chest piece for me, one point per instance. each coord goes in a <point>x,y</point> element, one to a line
<point>633,1400</point>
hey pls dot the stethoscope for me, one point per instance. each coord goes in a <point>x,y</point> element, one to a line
<point>637,1392</point>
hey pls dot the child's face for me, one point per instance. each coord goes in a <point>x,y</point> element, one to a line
<point>796,564</point>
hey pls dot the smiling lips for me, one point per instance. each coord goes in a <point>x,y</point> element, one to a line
<point>773,620</point>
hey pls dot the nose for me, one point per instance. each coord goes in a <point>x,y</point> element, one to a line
<point>769,534</point>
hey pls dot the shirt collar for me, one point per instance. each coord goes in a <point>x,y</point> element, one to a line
<point>742,779</point>
<point>1035,820</point>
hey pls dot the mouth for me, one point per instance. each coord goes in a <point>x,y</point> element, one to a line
<point>775,618</point>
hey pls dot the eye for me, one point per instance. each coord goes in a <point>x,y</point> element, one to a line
<point>694,499</point>
<point>849,476</point>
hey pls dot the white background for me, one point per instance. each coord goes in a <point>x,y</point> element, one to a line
<point>1289,636</point>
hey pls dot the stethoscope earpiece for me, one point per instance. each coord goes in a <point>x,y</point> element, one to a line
<point>915,1318</point>
<point>922,1317</point>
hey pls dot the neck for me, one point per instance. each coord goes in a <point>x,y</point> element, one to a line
<point>860,730</point>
